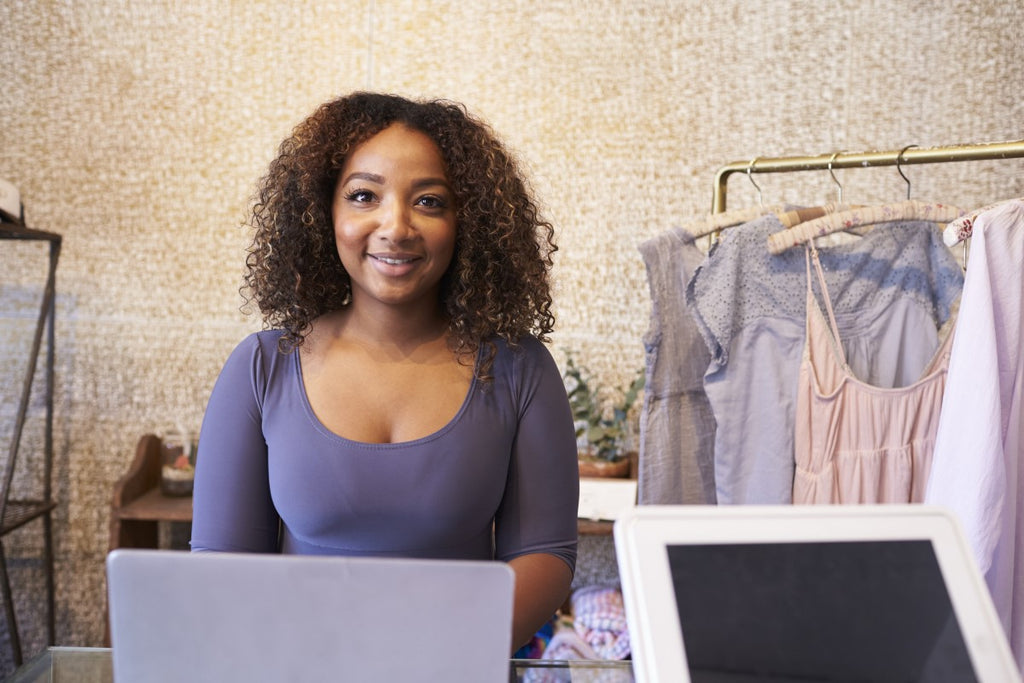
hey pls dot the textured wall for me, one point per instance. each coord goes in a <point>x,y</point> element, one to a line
<point>137,130</point>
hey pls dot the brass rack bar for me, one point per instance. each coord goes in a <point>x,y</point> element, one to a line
<point>907,156</point>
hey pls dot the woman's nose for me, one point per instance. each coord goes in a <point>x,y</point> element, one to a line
<point>396,221</point>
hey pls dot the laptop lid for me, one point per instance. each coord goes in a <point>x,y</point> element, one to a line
<point>808,593</point>
<point>178,616</point>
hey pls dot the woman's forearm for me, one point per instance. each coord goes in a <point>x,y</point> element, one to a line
<point>542,585</point>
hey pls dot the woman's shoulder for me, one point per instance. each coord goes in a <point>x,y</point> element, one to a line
<point>256,359</point>
<point>257,350</point>
<point>526,357</point>
<point>264,342</point>
<point>527,346</point>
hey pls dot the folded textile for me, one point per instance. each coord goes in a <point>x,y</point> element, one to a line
<point>599,617</point>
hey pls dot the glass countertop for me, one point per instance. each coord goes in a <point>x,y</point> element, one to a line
<point>94,665</point>
<point>72,664</point>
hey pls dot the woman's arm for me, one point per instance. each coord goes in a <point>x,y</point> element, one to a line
<point>535,529</point>
<point>231,505</point>
<point>542,585</point>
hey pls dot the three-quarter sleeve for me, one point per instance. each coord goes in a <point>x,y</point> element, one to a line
<point>232,508</point>
<point>540,505</point>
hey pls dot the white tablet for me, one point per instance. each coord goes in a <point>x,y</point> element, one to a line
<point>806,593</point>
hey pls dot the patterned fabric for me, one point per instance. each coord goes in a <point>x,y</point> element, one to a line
<point>567,644</point>
<point>597,629</point>
<point>600,619</point>
<point>910,210</point>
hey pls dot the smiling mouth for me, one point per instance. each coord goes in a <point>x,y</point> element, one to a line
<point>392,261</point>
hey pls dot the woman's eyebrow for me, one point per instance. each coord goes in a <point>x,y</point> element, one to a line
<point>379,179</point>
<point>363,175</point>
<point>431,182</point>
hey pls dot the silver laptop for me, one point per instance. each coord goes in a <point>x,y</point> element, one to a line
<point>806,593</point>
<point>178,616</point>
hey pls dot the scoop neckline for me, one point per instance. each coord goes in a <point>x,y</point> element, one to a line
<point>392,445</point>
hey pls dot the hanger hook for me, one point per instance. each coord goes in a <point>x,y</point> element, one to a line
<point>834,179</point>
<point>750,170</point>
<point>899,158</point>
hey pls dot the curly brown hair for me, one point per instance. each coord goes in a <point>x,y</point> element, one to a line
<point>497,285</point>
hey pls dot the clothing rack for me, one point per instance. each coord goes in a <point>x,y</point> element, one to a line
<point>907,156</point>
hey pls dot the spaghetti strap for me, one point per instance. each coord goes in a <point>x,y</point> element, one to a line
<point>856,442</point>
<point>811,253</point>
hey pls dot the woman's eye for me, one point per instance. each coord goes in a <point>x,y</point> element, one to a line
<point>359,196</point>
<point>431,202</point>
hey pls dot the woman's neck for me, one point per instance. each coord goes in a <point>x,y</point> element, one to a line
<point>389,329</point>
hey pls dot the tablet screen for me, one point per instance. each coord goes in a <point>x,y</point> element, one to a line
<point>817,611</point>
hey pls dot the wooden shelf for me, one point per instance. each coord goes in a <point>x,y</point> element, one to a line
<point>600,527</point>
<point>154,505</point>
<point>594,527</point>
<point>138,506</point>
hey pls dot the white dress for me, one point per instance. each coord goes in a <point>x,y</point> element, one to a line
<point>977,469</point>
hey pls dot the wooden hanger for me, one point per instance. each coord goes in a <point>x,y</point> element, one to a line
<point>909,210</point>
<point>790,219</point>
<point>714,222</point>
<point>961,228</point>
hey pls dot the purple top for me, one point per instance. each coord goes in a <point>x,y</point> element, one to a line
<point>271,478</point>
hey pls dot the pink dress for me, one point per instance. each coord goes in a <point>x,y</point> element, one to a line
<point>858,443</point>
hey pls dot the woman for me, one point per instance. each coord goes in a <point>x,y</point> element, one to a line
<point>402,403</point>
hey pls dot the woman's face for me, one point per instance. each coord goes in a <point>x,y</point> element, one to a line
<point>394,218</point>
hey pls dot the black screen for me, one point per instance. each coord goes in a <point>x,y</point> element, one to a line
<point>835,611</point>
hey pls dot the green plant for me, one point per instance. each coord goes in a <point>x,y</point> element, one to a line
<point>601,425</point>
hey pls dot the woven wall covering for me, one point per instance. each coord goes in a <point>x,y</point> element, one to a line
<point>137,130</point>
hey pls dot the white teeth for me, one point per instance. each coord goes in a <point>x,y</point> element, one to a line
<point>393,261</point>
